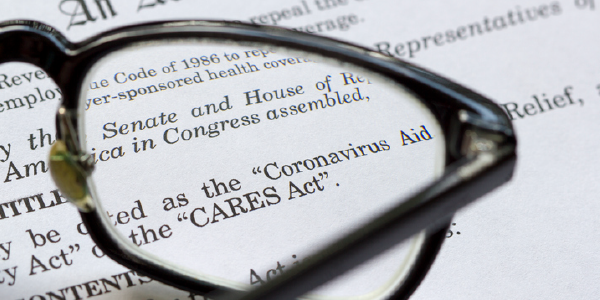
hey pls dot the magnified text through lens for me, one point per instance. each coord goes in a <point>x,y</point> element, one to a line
<point>239,161</point>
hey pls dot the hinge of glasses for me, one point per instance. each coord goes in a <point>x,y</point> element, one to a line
<point>69,166</point>
<point>481,145</point>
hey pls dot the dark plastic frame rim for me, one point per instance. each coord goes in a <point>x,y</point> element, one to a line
<point>64,61</point>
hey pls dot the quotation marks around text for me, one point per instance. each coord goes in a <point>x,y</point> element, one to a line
<point>181,217</point>
<point>74,248</point>
<point>325,175</point>
<point>256,170</point>
<point>450,233</point>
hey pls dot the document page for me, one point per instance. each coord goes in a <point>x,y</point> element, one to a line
<point>535,237</point>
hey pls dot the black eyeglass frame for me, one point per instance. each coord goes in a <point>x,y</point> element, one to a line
<point>480,146</point>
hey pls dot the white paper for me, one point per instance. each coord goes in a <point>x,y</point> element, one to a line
<point>534,238</point>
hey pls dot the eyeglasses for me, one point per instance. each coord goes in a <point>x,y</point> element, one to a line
<point>215,156</point>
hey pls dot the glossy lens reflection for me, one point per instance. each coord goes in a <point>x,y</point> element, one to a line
<point>239,161</point>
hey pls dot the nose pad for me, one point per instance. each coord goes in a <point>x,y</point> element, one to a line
<point>70,176</point>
